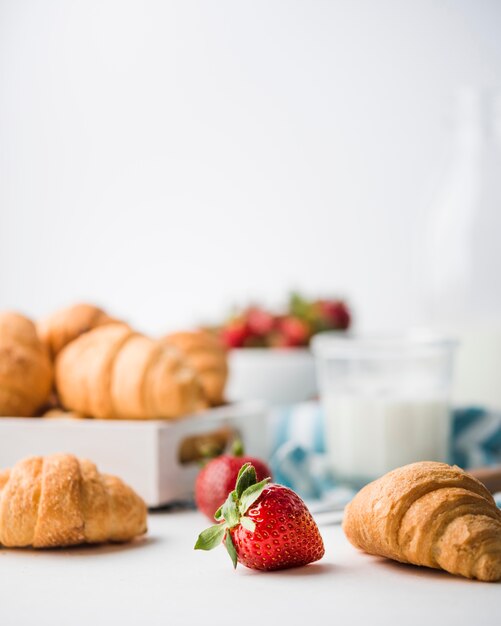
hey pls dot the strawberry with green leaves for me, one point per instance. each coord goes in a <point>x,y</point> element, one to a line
<point>264,526</point>
<point>216,480</point>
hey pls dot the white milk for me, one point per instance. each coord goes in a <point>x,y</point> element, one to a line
<point>367,436</point>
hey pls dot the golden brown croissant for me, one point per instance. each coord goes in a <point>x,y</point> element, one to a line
<point>206,355</point>
<point>112,372</point>
<point>25,368</point>
<point>429,514</point>
<point>65,325</point>
<point>60,500</point>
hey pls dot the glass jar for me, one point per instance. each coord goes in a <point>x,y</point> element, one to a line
<point>386,401</point>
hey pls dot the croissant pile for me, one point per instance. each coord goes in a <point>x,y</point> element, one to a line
<point>429,514</point>
<point>60,500</point>
<point>207,356</point>
<point>25,367</point>
<point>58,329</point>
<point>80,361</point>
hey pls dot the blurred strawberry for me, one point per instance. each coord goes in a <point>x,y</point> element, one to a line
<point>277,339</point>
<point>259,321</point>
<point>336,313</point>
<point>255,341</point>
<point>296,331</point>
<point>257,328</point>
<point>235,333</point>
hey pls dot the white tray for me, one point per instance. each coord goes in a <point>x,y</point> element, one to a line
<point>146,455</point>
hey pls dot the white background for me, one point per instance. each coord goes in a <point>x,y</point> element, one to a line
<point>169,159</point>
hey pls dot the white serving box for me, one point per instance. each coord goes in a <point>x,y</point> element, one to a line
<point>146,455</point>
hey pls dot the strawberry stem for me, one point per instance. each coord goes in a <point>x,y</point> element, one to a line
<point>237,448</point>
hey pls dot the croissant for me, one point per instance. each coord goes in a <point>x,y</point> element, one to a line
<point>207,356</point>
<point>65,325</point>
<point>429,514</point>
<point>112,372</point>
<point>25,368</point>
<point>60,500</point>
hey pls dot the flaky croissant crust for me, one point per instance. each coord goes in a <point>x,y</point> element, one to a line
<point>112,372</point>
<point>207,356</point>
<point>65,325</point>
<point>60,500</point>
<point>429,514</point>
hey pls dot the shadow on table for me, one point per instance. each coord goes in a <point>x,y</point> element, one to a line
<point>314,569</point>
<point>416,571</point>
<point>89,549</point>
<point>182,506</point>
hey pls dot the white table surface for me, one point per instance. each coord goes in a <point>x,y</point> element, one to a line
<point>162,580</point>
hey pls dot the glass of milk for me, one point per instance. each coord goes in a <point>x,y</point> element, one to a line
<point>386,401</point>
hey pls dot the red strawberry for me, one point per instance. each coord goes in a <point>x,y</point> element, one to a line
<point>235,333</point>
<point>217,479</point>
<point>260,322</point>
<point>296,330</point>
<point>337,313</point>
<point>264,526</point>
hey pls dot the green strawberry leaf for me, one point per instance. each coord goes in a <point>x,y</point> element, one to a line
<point>211,537</point>
<point>251,494</point>
<point>228,542</point>
<point>246,477</point>
<point>242,470</point>
<point>218,515</point>
<point>230,510</point>
<point>298,305</point>
<point>248,524</point>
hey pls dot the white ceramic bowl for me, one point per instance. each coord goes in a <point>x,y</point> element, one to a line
<point>275,376</point>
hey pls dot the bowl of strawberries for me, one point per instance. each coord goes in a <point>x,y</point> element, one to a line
<point>269,354</point>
